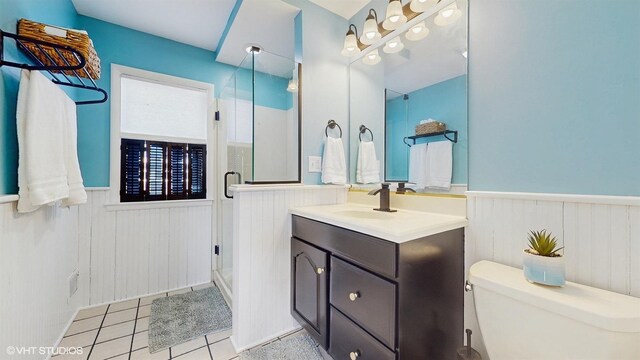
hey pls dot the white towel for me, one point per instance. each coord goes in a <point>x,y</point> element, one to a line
<point>418,165</point>
<point>440,165</point>
<point>334,168</point>
<point>367,167</point>
<point>43,150</point>
<point>77,194</point>
<point>24,201</point>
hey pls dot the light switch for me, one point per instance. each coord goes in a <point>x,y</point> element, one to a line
<point>315,164</point>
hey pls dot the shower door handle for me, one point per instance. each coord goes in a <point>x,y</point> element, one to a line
<point>226,183</point>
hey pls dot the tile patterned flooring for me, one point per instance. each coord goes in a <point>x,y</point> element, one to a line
<point>119,331</point>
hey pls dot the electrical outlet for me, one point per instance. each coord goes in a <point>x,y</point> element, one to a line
<point>315,164</point>
<point>73,283</point>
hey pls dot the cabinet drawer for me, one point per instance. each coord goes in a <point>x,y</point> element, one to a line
<point>346,338</point>
<point>367,251</point>
<point>367,299</point>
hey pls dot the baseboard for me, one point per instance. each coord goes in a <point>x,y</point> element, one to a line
<point>265,340</point>
<point>64,331</point>
<point>141,296</point>
<point>574,198</point>
<point>224,289</point>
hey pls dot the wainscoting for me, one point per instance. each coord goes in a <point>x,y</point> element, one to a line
<point>119,252</point>
<point>143,251</point>
<point>601,236</point>
<point>262,257</point>
<point>38,252</point>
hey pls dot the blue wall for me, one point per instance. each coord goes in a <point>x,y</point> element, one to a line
<point>114,44</point>
<point>554,96</point>
<point>59,12</point>
<point>445,101</point>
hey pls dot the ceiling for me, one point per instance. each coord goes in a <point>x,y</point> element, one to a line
<point>344,8</point>
<point>267,23</point>
<point>200,23</point>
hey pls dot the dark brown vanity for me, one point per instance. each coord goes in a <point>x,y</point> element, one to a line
<point>362,297</point>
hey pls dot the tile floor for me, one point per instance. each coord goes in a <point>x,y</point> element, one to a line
<point>119,331</point>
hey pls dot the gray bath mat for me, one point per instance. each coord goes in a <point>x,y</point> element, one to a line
<point>180,318</point>
<point>297,347</point>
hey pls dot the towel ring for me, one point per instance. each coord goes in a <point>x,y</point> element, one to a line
<point>332,125</point>
<point>363,129</point>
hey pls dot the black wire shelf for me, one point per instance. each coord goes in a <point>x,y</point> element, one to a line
<point>62,72</point>
<point>445,133</point>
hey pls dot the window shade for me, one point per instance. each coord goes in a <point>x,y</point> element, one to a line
<point>155,109</point>
<point>197,170</point>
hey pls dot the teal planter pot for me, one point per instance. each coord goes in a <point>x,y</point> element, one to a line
<point>543,269</point>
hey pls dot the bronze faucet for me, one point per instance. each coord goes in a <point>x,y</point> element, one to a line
<point>384,198</point>
<point>402,189</point>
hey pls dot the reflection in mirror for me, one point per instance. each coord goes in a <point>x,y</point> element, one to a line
<point>423,69</point>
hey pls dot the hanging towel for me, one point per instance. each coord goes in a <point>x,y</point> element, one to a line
<point>41,119</point>
<point>24,201</point>
<point>367,167</point>
<point>418,165</point>
<point>77,194</point>
<point>440,165</point>
<point>334,168</point>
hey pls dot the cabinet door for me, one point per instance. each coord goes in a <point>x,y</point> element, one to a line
<point>309,280</point>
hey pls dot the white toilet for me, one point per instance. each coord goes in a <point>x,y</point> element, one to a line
<point>520,320</point>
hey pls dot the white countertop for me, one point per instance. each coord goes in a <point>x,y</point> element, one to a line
<point>398,227</point>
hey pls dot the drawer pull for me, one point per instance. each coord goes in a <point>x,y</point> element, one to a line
<point>354,296</point>
<point>320,270</point>
<point>354,355</point>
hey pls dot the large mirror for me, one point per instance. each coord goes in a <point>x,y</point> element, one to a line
<point>425,83</point>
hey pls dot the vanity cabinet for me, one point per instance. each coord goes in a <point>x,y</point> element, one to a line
<point>363,297</point>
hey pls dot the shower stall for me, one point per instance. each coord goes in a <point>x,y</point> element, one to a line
<point>258,137</point>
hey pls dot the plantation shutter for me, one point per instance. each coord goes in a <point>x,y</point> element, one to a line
<point>131,187</point>
<point>156,171</point>
<point>197,171</point>
<point>177,171</point>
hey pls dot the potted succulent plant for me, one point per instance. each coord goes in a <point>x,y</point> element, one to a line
<point>542,263</point>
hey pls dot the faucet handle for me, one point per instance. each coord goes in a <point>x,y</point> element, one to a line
<point>385,185</point>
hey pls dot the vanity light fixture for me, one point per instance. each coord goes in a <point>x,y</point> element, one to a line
<point>370,33</point>
<point>448,15</point>
<point>395,15</point>
<point>293,86</point>
<point>422,5</point>
<point>417,32</point>
<point>372,57</point>
<point>351,42</point>
<point>393,46</point>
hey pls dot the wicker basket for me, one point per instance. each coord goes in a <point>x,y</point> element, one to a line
<point>430,127</point>
<point>61,36</point>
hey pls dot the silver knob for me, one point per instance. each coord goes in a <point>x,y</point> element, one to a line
<point>354,295</point>
<point>354,355</point>
<point>320,270</point>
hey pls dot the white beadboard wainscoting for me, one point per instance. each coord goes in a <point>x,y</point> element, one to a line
<point>38,253</point>
<point>120,252</point>
<point>139,250</point>
<point>601,236</point>
<point>262,257</point>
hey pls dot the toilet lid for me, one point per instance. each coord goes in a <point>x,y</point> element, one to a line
<point>600,308</point>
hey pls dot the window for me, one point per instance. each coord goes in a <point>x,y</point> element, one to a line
<point>160,131</point>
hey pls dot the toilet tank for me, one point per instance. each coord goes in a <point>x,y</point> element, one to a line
<point>521,320</point>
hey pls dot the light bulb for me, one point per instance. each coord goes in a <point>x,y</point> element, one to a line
<point>417,32</point>
<point>370,35</point>
<point>448,15</point>
<point>393,46</point>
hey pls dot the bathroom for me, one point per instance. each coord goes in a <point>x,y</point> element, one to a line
<point>524,88</point>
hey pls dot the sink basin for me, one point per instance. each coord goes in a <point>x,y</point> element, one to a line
<point>364,214</point>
